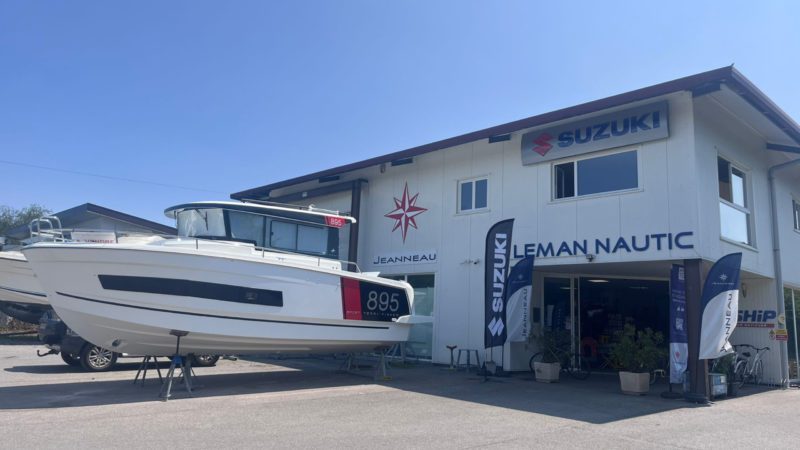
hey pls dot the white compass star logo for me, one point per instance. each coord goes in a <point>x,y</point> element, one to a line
<point>405,211</point>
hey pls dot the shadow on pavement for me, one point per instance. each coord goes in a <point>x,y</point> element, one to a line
<point>596,400</point>
<point>18,339</point>
<point>132,364</point>
<point>110,392</point>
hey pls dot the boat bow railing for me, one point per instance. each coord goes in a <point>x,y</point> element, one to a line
<point>52,232</point>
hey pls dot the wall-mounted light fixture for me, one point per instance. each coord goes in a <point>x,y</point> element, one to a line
<point>589,257</point>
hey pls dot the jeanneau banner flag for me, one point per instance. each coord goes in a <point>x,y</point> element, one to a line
<point>498,251</point>
<point>678,337</point>
<point>518,305</point>
<point>720,303</point>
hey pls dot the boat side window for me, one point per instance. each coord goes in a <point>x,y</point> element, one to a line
<point>247,227</point>
<point>312,239</point>
<point>298,237</point>
<point>283,235</point>
<point>201,222</point>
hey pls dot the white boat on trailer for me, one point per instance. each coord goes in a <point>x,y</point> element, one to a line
<point>243,278</point>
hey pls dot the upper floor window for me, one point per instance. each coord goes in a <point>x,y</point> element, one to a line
<point>734,205</point>
<point>796,214</point>
<point>609,173</point>
<point>473,195</point>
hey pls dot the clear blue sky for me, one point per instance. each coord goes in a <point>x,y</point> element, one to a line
<point>225,96</point>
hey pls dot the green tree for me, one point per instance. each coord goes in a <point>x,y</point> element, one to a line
<point>11,217</point>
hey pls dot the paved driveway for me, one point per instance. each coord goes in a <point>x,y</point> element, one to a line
<point>306,403</point>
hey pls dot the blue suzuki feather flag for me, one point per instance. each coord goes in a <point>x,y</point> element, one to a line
<point>518,292</point>
<point>720,302</point>
<point>498,251</point>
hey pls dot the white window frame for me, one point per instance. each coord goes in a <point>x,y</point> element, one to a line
<point>474,181</point>
<point>574,161</point>
<point>748,202</point>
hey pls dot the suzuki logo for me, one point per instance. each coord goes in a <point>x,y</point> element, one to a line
<point>542,144</point>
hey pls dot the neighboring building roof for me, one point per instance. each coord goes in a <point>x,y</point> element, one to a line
<point>71,217</point>
<point>699,83</point>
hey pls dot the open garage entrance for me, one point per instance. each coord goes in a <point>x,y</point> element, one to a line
<point>594,309</point>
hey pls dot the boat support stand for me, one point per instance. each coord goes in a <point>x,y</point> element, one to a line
<point>178,362</point>
<point>144,366</point>
<point>381,372</point>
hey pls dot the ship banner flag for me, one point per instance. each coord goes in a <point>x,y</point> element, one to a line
<point>678,338</point>
<point>720,306</point>
<point>498,251</point>
<point>518,292</point>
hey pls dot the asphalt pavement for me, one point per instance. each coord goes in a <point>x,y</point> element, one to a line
<point>307,402</point>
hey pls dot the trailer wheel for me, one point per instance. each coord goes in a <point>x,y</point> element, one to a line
<point>70,359</point>
<point>204,360</point>
<point>97,359</point>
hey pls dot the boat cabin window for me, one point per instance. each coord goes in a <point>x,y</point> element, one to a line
<point>247,227</point>
<point>262,230</point>
<point>296,237</point>
<point>201,223</point>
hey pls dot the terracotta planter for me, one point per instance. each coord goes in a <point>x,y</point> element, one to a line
<point>634,383</point>
<point>547,372</point>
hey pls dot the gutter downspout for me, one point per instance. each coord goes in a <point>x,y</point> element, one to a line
<point>776,253</point>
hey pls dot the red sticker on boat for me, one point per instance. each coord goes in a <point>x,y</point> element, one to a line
<point>332,221</point>
<point>351,299</point>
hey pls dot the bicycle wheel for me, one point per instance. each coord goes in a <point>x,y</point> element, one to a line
<point>579,367</point>
<point>739,373</point>
<point>758,372</point>
<point>538,357</point>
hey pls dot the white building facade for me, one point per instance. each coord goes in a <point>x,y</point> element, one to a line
<point>606,195</point>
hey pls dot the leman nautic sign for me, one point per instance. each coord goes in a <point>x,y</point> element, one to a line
<point>626,127</point>
<point>609,245</point>
<point>408,257</point>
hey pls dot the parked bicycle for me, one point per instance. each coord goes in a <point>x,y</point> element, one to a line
<point>572,363</point>
<point>748,367</point>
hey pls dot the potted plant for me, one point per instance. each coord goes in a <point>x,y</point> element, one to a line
<point>547,363</point>
<point>636,353</point>
<point>724,365</point>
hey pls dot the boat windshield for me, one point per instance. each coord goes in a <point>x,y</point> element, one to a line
<point>291,233</point>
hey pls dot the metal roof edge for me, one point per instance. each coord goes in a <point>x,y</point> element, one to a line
<point>759,100</point>
<point>725,74</point>
<point>121,216</point>
<point>67,215</point>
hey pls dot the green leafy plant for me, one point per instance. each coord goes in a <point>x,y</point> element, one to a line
<point>724,365</point>
<point>638,350</point>
<point>10,217</point>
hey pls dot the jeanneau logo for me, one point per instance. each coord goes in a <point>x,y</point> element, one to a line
<point>405,212</point>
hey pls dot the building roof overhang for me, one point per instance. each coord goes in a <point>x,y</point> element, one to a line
<point>772,122</point>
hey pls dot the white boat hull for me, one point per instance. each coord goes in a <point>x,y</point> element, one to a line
<point>18,283</point>
<point>310,318</point>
